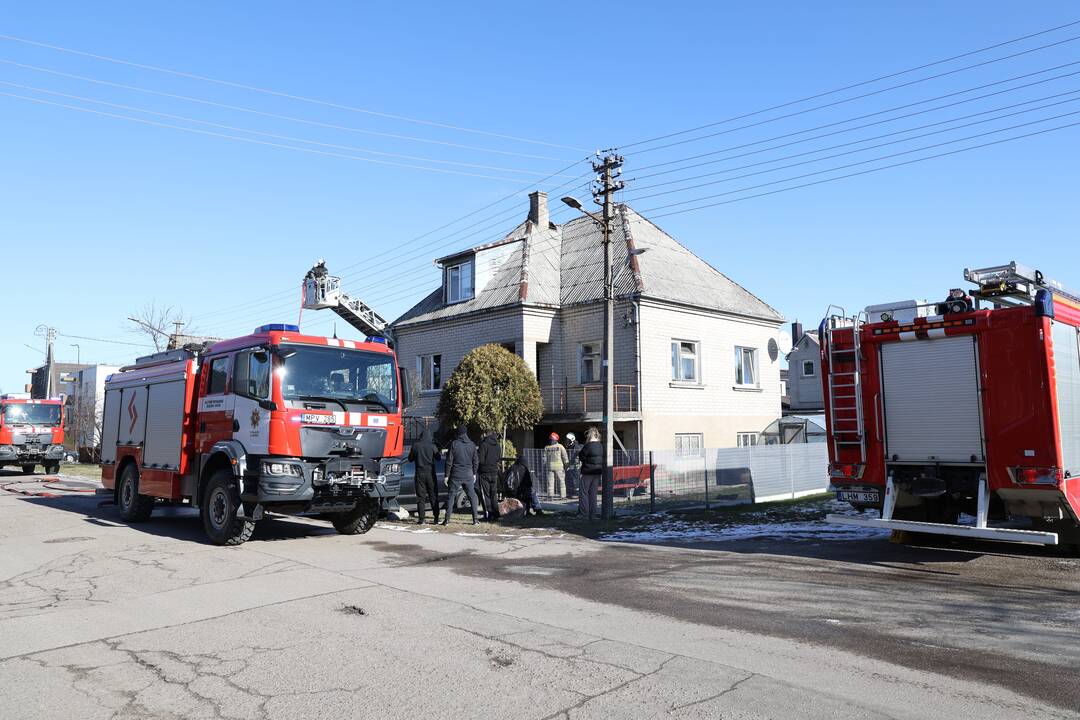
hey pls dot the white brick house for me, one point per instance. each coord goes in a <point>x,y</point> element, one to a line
<point>695,360</point>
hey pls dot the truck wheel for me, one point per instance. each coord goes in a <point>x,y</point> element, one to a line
<point>220,503</point>
<point>134,507</point>
<point>358,520</point>
<point>52,468</point>
<point>27,469</point>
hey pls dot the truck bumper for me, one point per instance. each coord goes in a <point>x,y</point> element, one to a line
<point>26,455</point>
<point>968,531</point>
<point>324,486</point>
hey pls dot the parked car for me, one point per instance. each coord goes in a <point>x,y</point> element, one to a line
<point>407,492</point>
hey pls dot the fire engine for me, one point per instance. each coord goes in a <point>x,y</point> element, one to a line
<point>965,407</point>
<point>275,421</point>
<point>31,432</point>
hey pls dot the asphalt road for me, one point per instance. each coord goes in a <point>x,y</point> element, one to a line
<point>102,620</point>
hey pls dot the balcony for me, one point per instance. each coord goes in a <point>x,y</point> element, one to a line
<point>587,401</point>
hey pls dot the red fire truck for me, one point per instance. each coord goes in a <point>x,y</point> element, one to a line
<point>31,432</point>
<point>275,421</point>
<point>970,406</point>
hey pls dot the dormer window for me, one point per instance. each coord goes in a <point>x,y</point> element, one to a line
<point>459,281</point>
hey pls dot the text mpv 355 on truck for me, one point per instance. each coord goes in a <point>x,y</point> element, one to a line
<point>274,421</point>
<point>970,405</point>
<point>31,433</point>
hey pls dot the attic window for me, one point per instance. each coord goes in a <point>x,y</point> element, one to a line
<point>458,281</point>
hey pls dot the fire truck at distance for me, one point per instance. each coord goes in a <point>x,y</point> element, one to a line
<point>967,406</point>
<point>31,432</point>
<point>275,421</point>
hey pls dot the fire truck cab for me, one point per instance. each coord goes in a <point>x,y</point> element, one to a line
<point>273,421</point>
<point>31,432</point>
<point>965,407</point>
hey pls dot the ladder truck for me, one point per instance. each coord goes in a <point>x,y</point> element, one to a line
<point>275,421</point>
<point>31,432</point>
<point>965,407</point>
<point>322,291</point>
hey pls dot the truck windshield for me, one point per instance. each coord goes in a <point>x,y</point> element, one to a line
<point>31,414</point>
<point>338,374</point>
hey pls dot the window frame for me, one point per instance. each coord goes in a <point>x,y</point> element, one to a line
<point>426,362</point>
<point>457,268</point>
<point>599,355</point>
<point>813,368</point>
<point>740,437</point>
<point>740,352</point>
<point>242,372</point>
<point>226,359</point>
<point>682,452</point>
<point>677,360</point>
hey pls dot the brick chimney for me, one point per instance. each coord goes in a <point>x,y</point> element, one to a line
<point>796,333</point>
<point>538,209</point>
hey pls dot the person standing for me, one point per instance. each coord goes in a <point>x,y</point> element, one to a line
<point>591,458</point>
<point>489,456</point>
<point>573,466</point>
<point>422,455</point>
<point>462,462</point>
<point>555,466</point>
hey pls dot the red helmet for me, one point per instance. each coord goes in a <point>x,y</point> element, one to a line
<point>554,436</point>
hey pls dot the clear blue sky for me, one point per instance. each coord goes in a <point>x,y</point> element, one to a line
<point>99,215</point>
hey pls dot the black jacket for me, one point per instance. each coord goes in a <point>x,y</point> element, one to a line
<point>423,453</point>
<point>490,453</point>
<point>591,457</point>
<point>462,461</point>
<point>517,482</point>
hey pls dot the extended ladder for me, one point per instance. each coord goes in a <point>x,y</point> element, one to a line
<point>323,291</point>
<point>845,391</point>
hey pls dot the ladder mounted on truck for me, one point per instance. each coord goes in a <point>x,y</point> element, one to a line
<point>845,392</point>
<point>323,291</point>
<point>1013,284</point>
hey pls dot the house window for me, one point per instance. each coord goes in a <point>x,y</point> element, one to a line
<point>589,362</point>
<point>429,368</point>
<point>219,373</point>
<point>689,444</point>
<point>459,282</point>
<point>746,367</point>
<point>684,361</point>
<point>746,439</point>
<point>808,368</point>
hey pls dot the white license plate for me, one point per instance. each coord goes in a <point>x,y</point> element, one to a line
<point>317,419</point>
<point>858,496</point>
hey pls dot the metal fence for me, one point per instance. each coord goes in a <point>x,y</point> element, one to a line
<point>719,476</point>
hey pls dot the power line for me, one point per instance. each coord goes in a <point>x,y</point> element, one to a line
<point>104,340</point>
<point>275,116</point>
<point>855,85</point>
<point>289,96</point>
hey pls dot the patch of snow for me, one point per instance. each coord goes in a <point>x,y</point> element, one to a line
<point>681,531</point>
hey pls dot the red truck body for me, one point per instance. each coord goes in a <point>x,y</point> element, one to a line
<point>275,420</point>
<point>31,433</point>
<point>973,411</point>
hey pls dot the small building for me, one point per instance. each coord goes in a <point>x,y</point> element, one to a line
<point>84,409</point>
<point>804,372</point>
<point>695,357</point>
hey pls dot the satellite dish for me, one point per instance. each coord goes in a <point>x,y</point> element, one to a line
<point>783,339</point>
<point>774,349</point>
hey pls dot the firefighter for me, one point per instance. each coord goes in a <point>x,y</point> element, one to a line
<point>573,468</point>
<point>592,466</point>
<point>462,462</point>
<point>422,455</point>
<point>555,460</point>
<point>489,455</point>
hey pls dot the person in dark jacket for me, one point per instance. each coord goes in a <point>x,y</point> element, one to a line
<point>591,457</point>
<point>423,455</point>
<point>489,456</point>
<point>519,483</point>
<point>462,462</point>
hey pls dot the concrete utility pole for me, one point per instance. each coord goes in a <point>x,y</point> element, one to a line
<point>49,333</point>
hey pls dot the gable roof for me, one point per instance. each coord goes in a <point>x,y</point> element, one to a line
<point>563,265</point>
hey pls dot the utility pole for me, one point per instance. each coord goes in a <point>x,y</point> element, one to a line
<point>606,186</point>
<point>49,333</point>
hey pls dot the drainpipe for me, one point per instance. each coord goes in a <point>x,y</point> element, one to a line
<point>637,370</point>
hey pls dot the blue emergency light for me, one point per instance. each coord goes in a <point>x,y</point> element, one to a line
<point>376,339</point>
<point>277,327</point>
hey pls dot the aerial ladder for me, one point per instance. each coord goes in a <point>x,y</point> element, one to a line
<point>322,291</point>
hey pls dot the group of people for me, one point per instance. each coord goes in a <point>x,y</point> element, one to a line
<point>468,465</point>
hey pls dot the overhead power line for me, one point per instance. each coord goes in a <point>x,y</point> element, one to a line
<point>286,95</point>
<point>862,83</point>
<point>104,340</point>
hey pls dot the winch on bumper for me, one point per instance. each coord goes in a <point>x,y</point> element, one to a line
<point>327,486</point>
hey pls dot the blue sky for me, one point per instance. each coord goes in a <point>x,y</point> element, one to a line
<point>100,215</point>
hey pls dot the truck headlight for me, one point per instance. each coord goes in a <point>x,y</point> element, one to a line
<point>391,468</point>
<point>286,469</point>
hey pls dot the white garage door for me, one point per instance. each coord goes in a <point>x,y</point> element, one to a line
<point>930,398</point>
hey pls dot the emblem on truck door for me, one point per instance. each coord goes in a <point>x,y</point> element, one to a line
<point>255,418</point>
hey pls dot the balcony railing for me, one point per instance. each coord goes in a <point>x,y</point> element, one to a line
<point>588,399</point>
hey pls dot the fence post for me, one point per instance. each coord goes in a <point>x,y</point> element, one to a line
<point>705,474</point>
<point>652,484</point>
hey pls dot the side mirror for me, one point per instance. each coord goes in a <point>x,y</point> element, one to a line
<point>405,389</point>
<point>268,405</point>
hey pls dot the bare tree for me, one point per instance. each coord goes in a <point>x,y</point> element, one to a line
<point>84,421</point>
<point>160,323</point>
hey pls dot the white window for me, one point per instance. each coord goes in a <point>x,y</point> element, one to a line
<point>589,362</point>
<point>429,369</point>
<point>689,444</point>
<point>459,282</point>
<point>685,361</point>
<point>746,439</point>
<point>746,367</point>
<point>808,368</point>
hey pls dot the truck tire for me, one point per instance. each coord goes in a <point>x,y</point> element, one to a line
<point>52,468</point>
<point>27,469</point>
<point>358,520</point>
<point>134,508</point>
<point>220,503</point>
